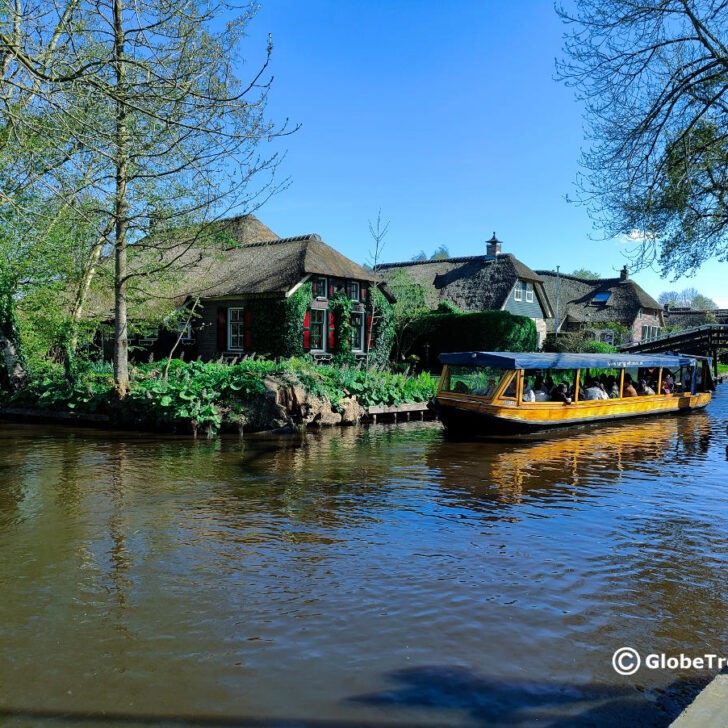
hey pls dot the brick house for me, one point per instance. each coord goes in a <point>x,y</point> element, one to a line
<point>241,292</point>
<point>584,303</point>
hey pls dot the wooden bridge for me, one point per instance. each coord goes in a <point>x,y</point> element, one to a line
<point>706,340</point>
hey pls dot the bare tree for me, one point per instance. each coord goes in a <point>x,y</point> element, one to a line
<point>378,232</point>
<point>653,76</point>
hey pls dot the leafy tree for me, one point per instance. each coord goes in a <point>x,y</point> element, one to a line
<point>587,275</point>
<point>419,257</point>
<point>703,303</point>
<point>441,253</point>
<point>411,304</point>
<point>653,79</point>
<point>149,89</point>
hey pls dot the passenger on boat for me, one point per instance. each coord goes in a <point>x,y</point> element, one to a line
<point>528,394</point>
<point>487,391</point>
<point>629,390</point>
<point>612,387</point>
<point>644,389</point>
<point>668,382</point>
<point>561,393</point>
<point>539,389</point>
<point>594,390</point>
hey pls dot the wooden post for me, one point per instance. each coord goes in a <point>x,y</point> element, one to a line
<point>621,384</point>
<point>576,386</point>
<point>659,382</point>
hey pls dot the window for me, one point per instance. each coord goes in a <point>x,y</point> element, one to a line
<point>529,293</point>
<point>607,337</point>
<point>319,286</point>
<point>354,291</point>
<point>318,329</point>
<point>186,331</point>
<point>236,329</point>
<point>518,292</point>
<point>356,335</point>
<point>601,297</point>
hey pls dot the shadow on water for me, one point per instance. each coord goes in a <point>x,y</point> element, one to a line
<point>501,702</point>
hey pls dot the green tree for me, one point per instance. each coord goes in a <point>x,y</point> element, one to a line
<point>410,305</point>
<point>150,89</point>
<point>587,275</point>
<point>652,76</point>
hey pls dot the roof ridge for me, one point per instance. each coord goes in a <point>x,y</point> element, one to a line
<point>314,237</point>
<point>457,259</point>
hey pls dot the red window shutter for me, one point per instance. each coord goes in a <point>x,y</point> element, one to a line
<point>221,328</point>
<point>368,333</point>
<point>315,287</point>
<point>363,292</point>
<point>307,331</point>
<point>332,342</point>
<point>248,330</point>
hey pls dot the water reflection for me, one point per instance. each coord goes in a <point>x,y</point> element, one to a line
<point>359,576</point>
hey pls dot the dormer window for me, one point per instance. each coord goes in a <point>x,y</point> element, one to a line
<point>518,292</point>
<point>529,293</point>
<point>601,297</point>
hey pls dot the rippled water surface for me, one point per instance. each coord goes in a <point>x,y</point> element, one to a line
<point>359,576</point>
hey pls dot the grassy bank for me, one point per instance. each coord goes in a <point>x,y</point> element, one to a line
<point>206,397</point>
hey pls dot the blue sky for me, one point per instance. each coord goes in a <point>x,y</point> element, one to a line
<point>444,115</point>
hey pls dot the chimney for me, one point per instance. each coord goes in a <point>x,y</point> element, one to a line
<point>494,247</point>
<point>623,274</point>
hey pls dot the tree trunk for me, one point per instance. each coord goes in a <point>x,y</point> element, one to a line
<point>13,363</point>
<point>121,211</point>
<point>83,289</point>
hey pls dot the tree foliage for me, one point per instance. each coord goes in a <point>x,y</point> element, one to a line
<point>585,274</point>
<point>147,118</point>
<point>653,77</point>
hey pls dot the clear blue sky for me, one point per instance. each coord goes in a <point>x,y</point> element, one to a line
<point>444,115</point>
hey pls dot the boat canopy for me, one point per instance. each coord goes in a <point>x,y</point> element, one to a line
<point>526,360</point>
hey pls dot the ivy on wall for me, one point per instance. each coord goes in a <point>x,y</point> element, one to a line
<point>341,306</point>
<point>383,327</point>
<point>277,324</point>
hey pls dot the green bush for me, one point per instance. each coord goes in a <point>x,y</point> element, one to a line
<point>581,342</point>
<point>479,331</point>
<point>205,395</point>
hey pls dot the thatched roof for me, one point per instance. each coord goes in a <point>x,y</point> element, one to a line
<point>687,317</point>
<point>577,304</point>
<point>473,283</point>
<point>248,259</point>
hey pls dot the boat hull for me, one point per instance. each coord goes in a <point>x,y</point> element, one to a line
<point>468,417</point>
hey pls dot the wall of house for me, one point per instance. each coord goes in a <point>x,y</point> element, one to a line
<point>648,319</point>
<point>206,328</point>
<point>532,309</point>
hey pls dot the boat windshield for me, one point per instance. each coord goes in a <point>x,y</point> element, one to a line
<point>479,381</point>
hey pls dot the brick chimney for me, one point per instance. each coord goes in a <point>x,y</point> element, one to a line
<point>623,274</point>
<point>494,247</point>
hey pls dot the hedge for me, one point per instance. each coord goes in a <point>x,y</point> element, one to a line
<point>478,331</point>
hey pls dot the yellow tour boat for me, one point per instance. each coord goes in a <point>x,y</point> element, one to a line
<point>502,394</point>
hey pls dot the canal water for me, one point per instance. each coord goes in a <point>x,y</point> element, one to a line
<point>360,576</point>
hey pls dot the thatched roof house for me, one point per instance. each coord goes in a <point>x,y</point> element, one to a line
<point>593,303</point>
<point>495,281</point>
<point>686,318</point>
<point>242,262</point>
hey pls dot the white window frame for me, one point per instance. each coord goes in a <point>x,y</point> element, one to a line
<point>360,347</point>
<point>529,293</point>
<point>518,292</point>
<point>324,329</point>
<point>352,284</point>
<point>241,322</point>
